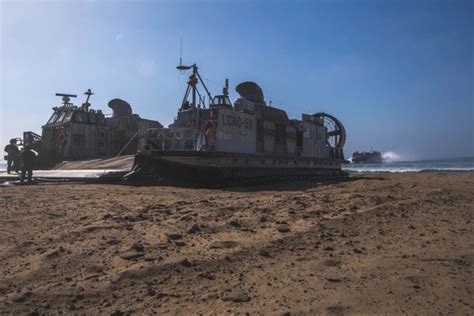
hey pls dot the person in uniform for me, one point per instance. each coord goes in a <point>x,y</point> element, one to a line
<point>28,157</point>
<point>12,156</point>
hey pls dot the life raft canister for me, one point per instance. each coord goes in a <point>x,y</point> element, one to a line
<point>210,130</point>
<point>61,138</point>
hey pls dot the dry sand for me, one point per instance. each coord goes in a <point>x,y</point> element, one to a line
<point>399,243</point>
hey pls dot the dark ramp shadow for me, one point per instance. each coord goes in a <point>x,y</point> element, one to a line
<point>253,185</point>
<point>284,185</point>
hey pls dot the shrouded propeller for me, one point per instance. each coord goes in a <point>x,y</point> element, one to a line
<point>336,133</point>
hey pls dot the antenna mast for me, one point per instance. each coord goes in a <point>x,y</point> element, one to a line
<point>181,52</point>
<point>193,80</point>
<point>87,104</point>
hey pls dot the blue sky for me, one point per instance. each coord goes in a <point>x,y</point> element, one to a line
<point>399,74</point>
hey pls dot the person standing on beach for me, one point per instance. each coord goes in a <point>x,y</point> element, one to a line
<point>28,157</point>
<point>12,155</point>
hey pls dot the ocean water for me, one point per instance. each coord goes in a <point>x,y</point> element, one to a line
<point>449,165</point>
<point>446,165</point>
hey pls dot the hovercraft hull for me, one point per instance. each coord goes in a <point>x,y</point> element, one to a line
<point>221,168</point>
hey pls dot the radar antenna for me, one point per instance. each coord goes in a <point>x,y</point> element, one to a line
<point>66,98</point>
<point>182,67</point>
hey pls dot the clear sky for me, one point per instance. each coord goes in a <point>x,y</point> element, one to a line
<point>398,74</point>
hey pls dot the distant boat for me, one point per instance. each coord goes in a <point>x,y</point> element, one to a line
<point>367,157</point>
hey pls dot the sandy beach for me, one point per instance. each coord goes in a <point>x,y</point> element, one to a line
<point>380,243</point>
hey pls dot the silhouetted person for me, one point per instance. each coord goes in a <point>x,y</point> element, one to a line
<point>28,158</point>
<point>12,155</point>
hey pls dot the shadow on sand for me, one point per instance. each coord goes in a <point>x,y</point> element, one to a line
<point>268,185</point>
<point>284,185</point>
<point>295,186</point>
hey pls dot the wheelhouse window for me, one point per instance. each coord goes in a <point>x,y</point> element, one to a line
<point>68,116</point>
<point>61,116</point>
<point>53,118</point>
<point>221,100</point>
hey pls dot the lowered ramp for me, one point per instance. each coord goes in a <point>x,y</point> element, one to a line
<point>98,170</point>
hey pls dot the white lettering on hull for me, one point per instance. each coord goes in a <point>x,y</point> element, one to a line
<point>232,120</point>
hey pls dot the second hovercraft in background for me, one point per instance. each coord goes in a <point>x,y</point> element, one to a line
<point>367,157</point>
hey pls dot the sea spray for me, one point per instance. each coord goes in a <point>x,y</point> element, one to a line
<point>390,156</point>
<point>445,165</point>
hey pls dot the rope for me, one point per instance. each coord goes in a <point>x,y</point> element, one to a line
<point>128,143</point>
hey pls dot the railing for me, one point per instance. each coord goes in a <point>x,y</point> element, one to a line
<point>168,139</point>
<point>31,137</point>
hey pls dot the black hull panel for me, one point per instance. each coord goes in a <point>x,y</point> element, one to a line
<point>204,169</point>
<point>367,160</point>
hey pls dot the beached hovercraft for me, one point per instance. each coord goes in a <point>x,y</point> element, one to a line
<point>244,141</point>
<point>82,133</point>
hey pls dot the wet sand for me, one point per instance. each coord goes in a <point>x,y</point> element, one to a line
<point>386,243</point>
